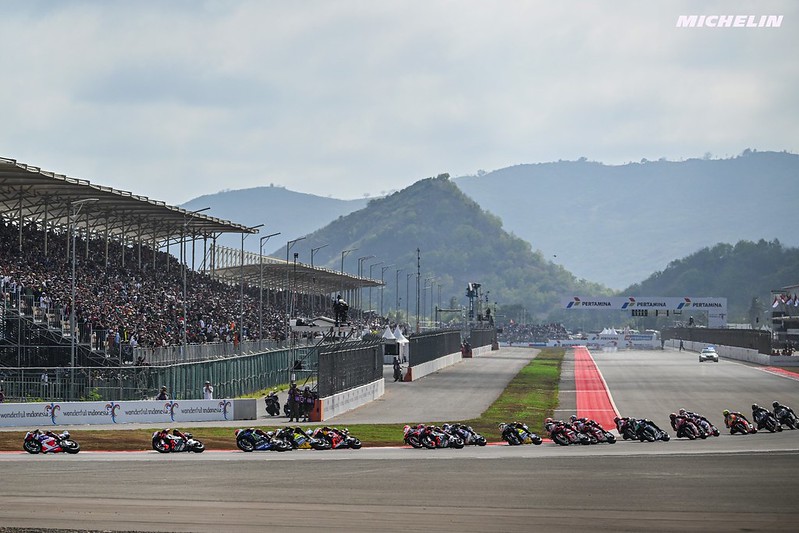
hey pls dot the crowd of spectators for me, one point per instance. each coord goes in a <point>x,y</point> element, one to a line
<point>788,349</point>
<point>126,305</point>
<point>515,332</point>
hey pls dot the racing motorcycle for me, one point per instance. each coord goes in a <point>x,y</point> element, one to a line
<point>740,425</point>
<point>466,433</point>
<point>299,439</point>
<point>337,438</point>
<point>517,433</point>
<point>769,421</point>
<point>626,427</point>
<point>435,437</point>
<point>595,432</point>
<point>564,434</point>
<point>165,442</point>
<point>704,425</point>
<point>412,434</point>
<point>787,417</point>
<point>272,404</point>
<point>688,429</point>
<point>48,442</point>
<point>646,430</point>
<point>249,440</point>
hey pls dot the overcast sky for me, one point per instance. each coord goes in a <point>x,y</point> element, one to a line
<point>346,98</point>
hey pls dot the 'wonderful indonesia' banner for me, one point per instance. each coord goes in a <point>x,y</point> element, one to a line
<point>123,412</point>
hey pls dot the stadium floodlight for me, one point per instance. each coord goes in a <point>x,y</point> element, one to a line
<point>187,216</point>
<point>261,283</point>
<point>289,245</point>
<point>344,253</point>
<point>253,229</point>
<point>74,208</point>
<point>359,294</point>
<point>370,286</point>
<point>383,285</point>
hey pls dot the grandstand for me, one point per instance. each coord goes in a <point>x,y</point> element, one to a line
<point>139,298</point>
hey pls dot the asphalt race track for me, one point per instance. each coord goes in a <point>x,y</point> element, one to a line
<point>729,483</point>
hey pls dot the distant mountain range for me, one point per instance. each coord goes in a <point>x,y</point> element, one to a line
<point>616,225</point>
<point>294,214</point>
<point>611,226</point>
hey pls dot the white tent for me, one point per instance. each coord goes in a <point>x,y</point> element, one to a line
<point>390,346</point>
<point>404,345</point>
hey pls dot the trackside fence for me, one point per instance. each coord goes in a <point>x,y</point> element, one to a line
<point>482,337</point>
<point>232,377</point>
<point>752,339</point>
<point>347,365</point>
<point>425,347</point>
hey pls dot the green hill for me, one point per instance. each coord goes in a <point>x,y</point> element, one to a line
<point>742,273</point>
<point>459,243</point>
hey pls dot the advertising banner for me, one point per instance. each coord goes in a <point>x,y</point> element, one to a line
<point>122,412</point>
<point>716,308</point>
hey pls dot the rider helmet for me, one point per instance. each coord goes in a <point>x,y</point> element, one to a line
<point>725,412</point>
<point>673,416</point>
<point>573,418</point>
<point>548,421</point>
<point>755,407</point>
<point>683,412</point>
<point>775,404</point>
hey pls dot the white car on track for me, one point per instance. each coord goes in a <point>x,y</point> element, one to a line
<point>709,354</point>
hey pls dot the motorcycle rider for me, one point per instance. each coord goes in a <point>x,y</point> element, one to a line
<point>778,407</point>
<point>703,423</point>
<point>48,445</point>
<point>640,425</point>
<point>175,436</point>
<point>397,369</point>
<point>677,421</point>
<point>730,416</point>
<point>266,434</point>
<point>759,415</point>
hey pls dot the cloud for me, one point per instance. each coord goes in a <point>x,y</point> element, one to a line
<point>177,99</point>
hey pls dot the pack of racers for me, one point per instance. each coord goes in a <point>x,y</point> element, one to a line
<point>626,426</point>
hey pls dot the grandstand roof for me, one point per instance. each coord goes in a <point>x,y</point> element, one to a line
<point>31,193</point>
<point>301,278</point>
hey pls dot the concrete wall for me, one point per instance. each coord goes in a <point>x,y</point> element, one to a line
<point>419,371</point>
<point>125,412</point>
<point>481,350</point>
<point>739,354</point>
<point>245,409</point>
<point>348,400</point>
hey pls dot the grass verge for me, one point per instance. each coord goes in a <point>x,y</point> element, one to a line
<point>530,397</point>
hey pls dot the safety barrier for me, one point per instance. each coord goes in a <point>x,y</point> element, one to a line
<point>231,377</point>
<point>326,408</point>
<point>752,339</point>
<point>483,340</point>
<point>165,412</point>
<point>347,365</point>
<point>739,354</point>
<point>432,351</point>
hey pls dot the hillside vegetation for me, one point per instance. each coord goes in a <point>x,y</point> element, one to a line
<point>616,224</point>
<point>742,273</point>
<point>459,243</point>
